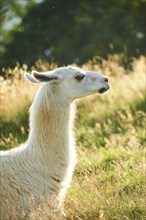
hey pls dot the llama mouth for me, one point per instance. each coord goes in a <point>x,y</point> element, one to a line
<point>102,90</point>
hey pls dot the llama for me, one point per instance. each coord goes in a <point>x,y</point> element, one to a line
<point>41,169</point>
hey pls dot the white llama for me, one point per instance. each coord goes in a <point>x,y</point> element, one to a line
<point>42,168</point>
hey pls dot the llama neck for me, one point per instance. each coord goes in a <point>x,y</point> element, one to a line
<point>51,123</point>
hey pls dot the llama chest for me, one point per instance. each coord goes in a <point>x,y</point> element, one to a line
<point>35,180</point>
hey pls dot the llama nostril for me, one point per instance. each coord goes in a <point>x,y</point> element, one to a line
<point>106,79</point>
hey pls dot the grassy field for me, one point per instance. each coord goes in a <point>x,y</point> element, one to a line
<point>108,182</point>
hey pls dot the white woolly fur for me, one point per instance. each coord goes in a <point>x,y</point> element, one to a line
<point>40,170</point>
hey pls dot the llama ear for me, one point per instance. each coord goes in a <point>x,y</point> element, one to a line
<point>46,76</point>
<point>30,78</point>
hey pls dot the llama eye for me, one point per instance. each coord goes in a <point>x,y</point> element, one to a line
<point>80,77</point>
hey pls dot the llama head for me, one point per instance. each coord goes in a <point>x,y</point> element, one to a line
<point>72,82</point>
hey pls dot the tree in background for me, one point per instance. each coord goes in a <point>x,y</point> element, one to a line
<point>74,31</point>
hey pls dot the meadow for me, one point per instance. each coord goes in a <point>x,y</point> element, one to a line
<point>108,183</point>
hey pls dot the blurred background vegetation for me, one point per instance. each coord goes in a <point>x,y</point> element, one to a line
<point>70,31</point>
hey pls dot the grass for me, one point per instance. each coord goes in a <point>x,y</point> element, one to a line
<point>108,182</point>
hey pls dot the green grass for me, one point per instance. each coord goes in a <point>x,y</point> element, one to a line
<point>109,177</point>
<point>108,181</point>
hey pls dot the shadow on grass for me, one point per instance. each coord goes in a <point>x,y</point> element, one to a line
<point>120,121</point>
<point>15,129</point>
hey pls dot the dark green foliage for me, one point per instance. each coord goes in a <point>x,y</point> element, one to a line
<point>74,31</point>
